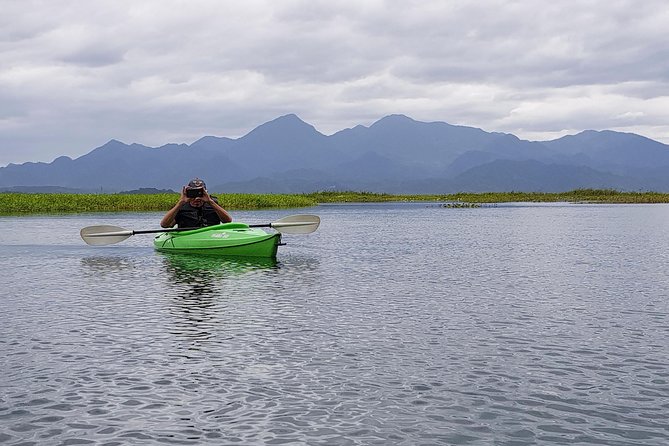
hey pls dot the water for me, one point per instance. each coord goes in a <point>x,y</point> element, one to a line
<point>392,324</point>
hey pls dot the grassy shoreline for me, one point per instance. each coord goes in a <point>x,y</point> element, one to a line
<point>30,203</point>
<point>575,196</point>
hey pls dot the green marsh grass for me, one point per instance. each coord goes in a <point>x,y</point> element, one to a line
<point>24,204</point>
<point>19,203</point>
<point>574,196</point>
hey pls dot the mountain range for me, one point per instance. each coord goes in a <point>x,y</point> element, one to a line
<point>396,154</point>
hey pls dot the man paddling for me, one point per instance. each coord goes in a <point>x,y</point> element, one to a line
<point>195,208</point>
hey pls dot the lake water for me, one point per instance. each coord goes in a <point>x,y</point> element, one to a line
<point>392,324</point>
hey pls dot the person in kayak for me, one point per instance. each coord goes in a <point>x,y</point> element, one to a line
<point>195,208</point>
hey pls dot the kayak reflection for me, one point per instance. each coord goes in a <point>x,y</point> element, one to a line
<point>199,275</point>
<point>186,265</point>
<point>201,288</point>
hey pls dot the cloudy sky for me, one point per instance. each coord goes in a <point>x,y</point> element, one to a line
<point>75,74</point>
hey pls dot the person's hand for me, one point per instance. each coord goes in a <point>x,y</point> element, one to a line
<point>183,198</point>
<point>205,196</point>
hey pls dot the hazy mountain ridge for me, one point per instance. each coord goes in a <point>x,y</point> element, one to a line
<point>395,154</point>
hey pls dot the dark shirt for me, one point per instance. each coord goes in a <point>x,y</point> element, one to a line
<point>193,217</point>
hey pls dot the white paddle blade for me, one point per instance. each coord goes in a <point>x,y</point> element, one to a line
<point>297,224</point>
<point>104,234</point>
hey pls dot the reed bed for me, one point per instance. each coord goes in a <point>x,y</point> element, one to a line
<point>19,203</point>
<point>574,196</point>
<point>28,203</point>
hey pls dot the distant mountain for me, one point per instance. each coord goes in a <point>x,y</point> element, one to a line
<point>607,150</point>
<point>531,175</point>
<point>395,154</point>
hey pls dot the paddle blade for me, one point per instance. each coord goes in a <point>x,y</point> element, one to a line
<point>297,224</point>
<point>104,234</point>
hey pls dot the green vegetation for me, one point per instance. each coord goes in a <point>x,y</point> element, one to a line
<point>21,203</point>
<point>359,197</point>
<point>578,195</point>
<point>574,196</point>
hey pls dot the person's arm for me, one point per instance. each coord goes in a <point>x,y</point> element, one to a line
<point>222,213</point>
<point>169,219</point>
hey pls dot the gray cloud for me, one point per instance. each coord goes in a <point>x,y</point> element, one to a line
<point>76,74</point>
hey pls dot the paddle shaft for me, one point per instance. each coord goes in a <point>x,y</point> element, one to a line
<point>107,234</point>
<point>155,231</point>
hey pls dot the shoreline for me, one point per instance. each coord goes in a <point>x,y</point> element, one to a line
<point>14,203</point>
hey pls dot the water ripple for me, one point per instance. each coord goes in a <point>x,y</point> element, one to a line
<point>391,325</point>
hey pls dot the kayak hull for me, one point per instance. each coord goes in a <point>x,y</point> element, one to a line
<point>227,239</point>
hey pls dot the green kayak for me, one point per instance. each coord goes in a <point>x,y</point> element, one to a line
<point>226,239</point>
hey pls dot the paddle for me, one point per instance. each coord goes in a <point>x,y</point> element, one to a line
<point>107,235</point>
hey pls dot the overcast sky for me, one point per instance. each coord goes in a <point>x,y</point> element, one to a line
<point>75,74</point>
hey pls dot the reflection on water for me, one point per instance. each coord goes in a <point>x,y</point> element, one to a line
<point>185,264</point>
<point>200,286</point>
<point>105,264</point>
<point>200,276</point>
